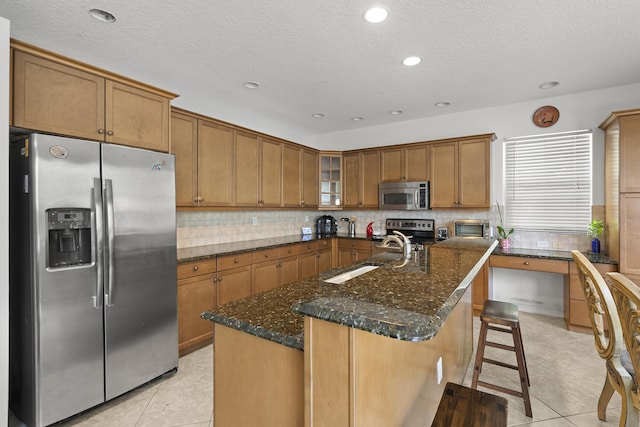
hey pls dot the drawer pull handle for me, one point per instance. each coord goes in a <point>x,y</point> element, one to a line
<point>236,260</point>
<point>266,255</point>
<point>195,268</point>
<point>526,263</point>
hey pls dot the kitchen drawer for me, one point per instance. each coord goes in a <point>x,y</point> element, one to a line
<point>602,268</point>
<point>532,264</point>
<point>308,247</point>
<point>575,287</point>
<point>227,262</point>
<point>288,250</point>
<point>361,245</point>
<point>324,244</point>
<point>196,268</point>
<point>265,255</point>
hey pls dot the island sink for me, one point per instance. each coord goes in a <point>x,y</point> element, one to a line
<point>341,278</point>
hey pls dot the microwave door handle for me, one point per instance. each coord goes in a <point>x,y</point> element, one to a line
<point>416,199</point>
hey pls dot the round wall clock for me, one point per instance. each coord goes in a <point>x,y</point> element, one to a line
<point>546,116</point>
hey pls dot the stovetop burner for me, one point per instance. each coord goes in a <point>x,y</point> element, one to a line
<point>422,230</point>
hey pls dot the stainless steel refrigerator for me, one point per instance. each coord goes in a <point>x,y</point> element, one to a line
<point>93,311</point>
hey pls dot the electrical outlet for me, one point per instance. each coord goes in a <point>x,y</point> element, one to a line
<point>306,218</point>
<point>439,369</point>
<point>254,220</point>
<point>542,244</point>
<point>558,245</point>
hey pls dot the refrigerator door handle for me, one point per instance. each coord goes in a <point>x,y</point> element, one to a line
<point>110,238</point>
<point>98,238</point>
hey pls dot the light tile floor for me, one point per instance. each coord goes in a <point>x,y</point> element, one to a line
<point>565,371</point>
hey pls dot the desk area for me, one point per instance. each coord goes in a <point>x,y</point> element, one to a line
<point>559,262</point>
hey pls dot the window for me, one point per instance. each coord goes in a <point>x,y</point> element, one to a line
<point>548,182</point>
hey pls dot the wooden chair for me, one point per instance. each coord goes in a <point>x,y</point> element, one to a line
<point>626,295</point>
<point>602,309</point>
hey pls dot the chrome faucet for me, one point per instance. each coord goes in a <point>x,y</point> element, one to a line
<point>404,243</point>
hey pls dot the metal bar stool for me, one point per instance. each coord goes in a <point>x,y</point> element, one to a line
<point>505,315</point>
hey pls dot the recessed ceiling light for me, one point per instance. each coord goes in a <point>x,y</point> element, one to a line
<point>375,15</point>
<point>548,85</point>
<point>251,85</point>
<point>442,104</point>
<point>411,61</point>
<point>357,119</point>
<point>102,15</point>
<point>396,112</point>
<point>318,115</point>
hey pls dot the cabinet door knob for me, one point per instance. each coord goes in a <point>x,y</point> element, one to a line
<point>100,131</point>
<point>109,132</point>
<point>236,260</point>
<point>266,255</point>
<point>196,199</point>
<point>219,279</point>
<point>526,263</point>
<point>195,268</point>
<point>215,279</point>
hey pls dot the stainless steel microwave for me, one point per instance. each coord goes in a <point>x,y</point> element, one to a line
<point>408,196</point>
<point>471,228</point>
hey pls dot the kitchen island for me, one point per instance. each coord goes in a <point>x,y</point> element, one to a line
<point>374,350</point>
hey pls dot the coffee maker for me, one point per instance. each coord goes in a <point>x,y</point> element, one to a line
<point>326,226</point>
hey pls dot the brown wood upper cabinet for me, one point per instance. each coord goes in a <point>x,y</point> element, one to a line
<point>460,173</point>
<point>204,159</point>
<point>361,178</point>
<point>408,163</point>
<point>299,177</point>
<point>258,171</point>
<point>61,96</point>
<point>622,190</point>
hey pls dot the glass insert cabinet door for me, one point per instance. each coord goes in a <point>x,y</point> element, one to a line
<point>330,180</point>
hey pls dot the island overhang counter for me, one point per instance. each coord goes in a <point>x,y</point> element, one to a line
<point>377,349</point>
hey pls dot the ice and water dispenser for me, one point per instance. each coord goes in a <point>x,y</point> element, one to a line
<point>69,237</point>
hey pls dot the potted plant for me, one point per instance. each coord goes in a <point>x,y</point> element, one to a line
<point>503,232</point>
<point>595,230</point>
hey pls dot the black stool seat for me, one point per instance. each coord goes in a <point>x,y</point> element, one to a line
<point>506,316</point>
<point>502,313</point>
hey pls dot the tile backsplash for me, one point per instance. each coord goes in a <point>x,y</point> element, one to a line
<point>201,228</point>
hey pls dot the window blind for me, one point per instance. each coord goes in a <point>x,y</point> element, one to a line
<point>548,182</point>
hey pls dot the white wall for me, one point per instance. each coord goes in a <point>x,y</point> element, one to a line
<point>4,219</point>
<point>578,111</point>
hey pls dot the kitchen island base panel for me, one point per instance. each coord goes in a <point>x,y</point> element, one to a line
<point>356,378</point>
<point>256,382</point>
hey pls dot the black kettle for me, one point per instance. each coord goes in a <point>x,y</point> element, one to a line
<point>326,225</point>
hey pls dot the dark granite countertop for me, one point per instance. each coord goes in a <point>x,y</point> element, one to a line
<point>209,251</point>
<point>404,300</point>
<point>550,254</point>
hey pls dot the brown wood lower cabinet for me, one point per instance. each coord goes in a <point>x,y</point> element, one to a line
<point>576,312</point>
<point>275,267</point>
<point>352,250</point>
<point>480,289</point>
<point>196,293</point>
<point>576,316</point>
<point>234,277</point>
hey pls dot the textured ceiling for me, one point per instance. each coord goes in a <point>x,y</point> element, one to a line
<point>322,57</point>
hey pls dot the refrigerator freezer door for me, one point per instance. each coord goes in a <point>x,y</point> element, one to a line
<point>68,318</point>
<point>140,272</point>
